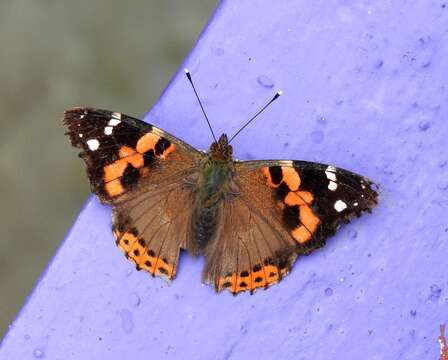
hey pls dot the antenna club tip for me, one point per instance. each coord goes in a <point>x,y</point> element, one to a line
<point>186,71</point>
<point>280,92</point>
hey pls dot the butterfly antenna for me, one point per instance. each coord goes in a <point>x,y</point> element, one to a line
<point>276,96</point>
<point>187,73</point>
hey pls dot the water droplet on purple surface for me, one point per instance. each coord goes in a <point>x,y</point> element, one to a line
<point>328,291</point>
<point>127,322</point>
<point>352,234</point>
<point>134,300</point>
<point>442,163</point>
<point>169,349</point>
<point>264,81</point>
<point>219,51</point>
<point>436,291</point>
<point>443,185</point>
<point>39,353</point>
<point>317,136</point>
<point>321,120</point>
<point>379,64</point>
<point>424,125</point>
<point>413,313</point>
<point>27,337</point>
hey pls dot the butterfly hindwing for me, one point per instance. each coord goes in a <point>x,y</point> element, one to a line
<point>152,226</point>
<point>250,251</point>
<point>142,172</point>
<point>281,209</point>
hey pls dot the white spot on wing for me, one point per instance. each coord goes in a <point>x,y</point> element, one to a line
<point>80,135</point>
<point>93,144</point>
<point>108,130</point>
<point>116,115</point>
<point>330,175</point>
<point>355,203</point>
<point>340,206</point>
<point>286,163</point>
<point>332,186</point>
<point>113,122</point>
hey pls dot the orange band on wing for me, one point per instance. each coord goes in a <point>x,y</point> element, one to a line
<point>309,222</point>
<point>115,170</point>
<point>144,258</point>
<point>147,142</point>
<point>114,187</point>
<point>126,151</point>
<point>308,219</point>
<point>259,276</point>
<point>301,234</point>
<point>291,178</point>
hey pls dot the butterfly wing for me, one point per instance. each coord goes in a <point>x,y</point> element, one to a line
<point>281,209</point>
<point>144,173</point>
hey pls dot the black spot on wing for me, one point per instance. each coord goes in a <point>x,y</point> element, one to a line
<point>130,176</point>
<point>149,157</point>
<point>151,253</point>
<point>162,145</point>
<point>291,217</point>
<point>276,174</point>
<point>281,191</point>
<point>256,268</point>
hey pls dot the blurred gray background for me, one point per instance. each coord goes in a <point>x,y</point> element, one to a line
<point>55,54</point>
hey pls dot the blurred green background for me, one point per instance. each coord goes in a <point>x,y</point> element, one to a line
<point>55,54</point>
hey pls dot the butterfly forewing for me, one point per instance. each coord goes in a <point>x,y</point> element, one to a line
<point>120,150</point>
<point>143,173</point>
<point>310,200</point>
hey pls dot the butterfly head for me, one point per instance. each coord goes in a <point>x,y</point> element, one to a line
<point>221,150</point>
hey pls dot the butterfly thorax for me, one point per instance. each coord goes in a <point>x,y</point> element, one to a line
<point>212,188</point>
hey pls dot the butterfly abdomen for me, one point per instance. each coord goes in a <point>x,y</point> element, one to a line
<point>211,190</point>
<point>204,225</point>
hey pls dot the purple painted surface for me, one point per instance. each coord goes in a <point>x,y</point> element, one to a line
<point>365,89</point>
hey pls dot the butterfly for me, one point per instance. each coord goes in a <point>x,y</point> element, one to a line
<point>249,219</point>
